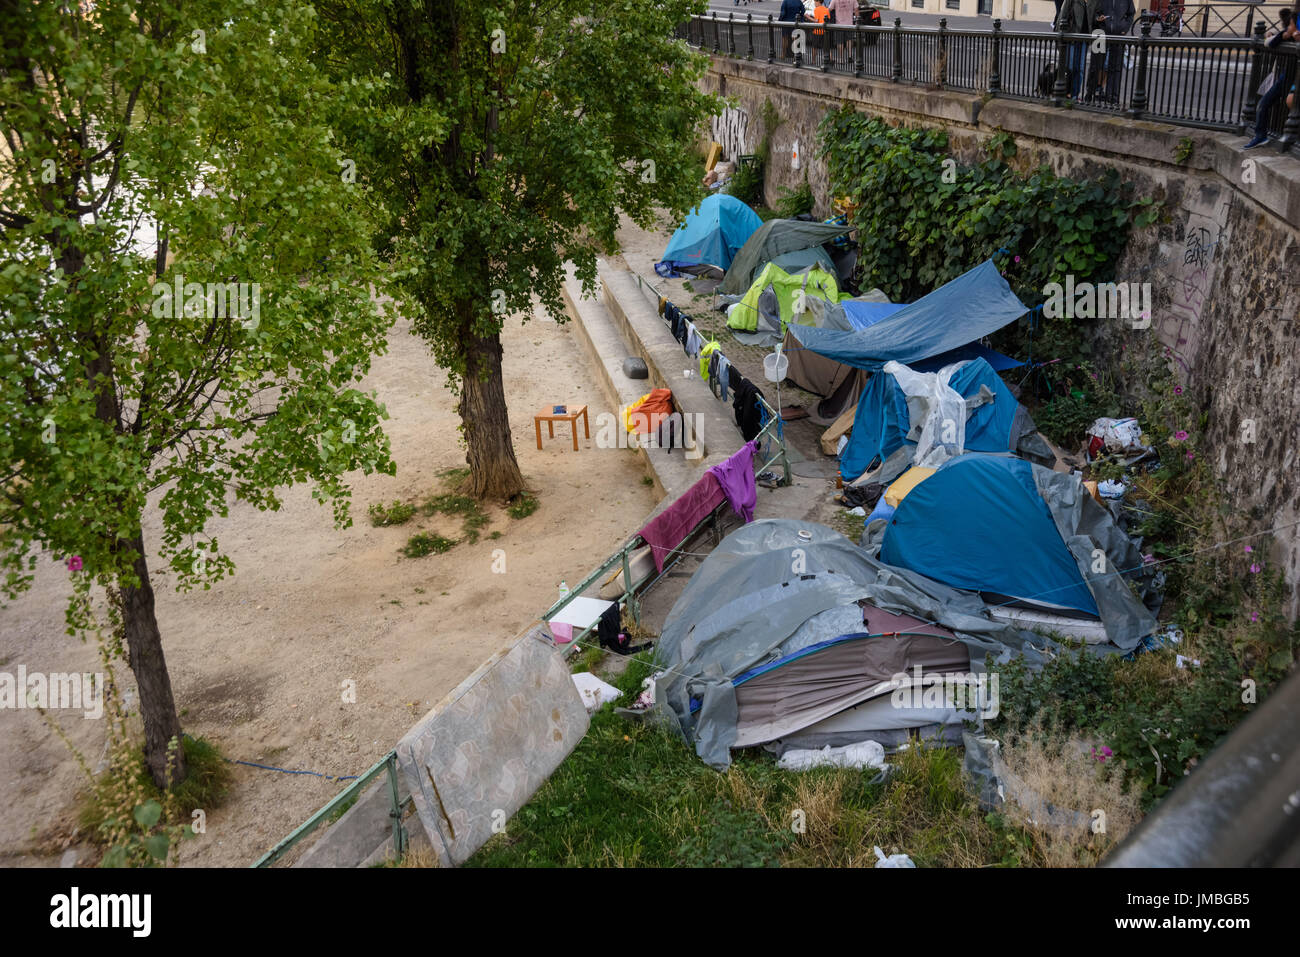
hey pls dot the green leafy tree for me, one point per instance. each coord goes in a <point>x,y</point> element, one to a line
<point>501,140</point>
<point>186,308</point>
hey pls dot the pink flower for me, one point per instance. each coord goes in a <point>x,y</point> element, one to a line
<point>74,563</point>
<point>1254,616</point>
<point>1148,559</point>
<point>1249,549</point>
<point>1191,456</point>
<point>1178,390</point>
<point>1180,435</point>
<point>1103,754</point>
<point>1254,569</point>
<point>1017,259</point>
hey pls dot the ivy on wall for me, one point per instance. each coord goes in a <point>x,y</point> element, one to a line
<point>924,219</point>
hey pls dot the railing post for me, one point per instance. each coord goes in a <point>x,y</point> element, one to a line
<point>995,69</point>
<point>898,50</point>
<point>1059,87</point>
<point>399,832</point>
<point>1256,76</point>
<point>749,29</point>
<point>942,59</point>
<point>771,40</point>
<point>1138,105</point>
<point>731,34</point>
<point>826,48</point>
<point>857,51</point>
<point>717,36</point>
<point>798,53</point>
<point>1291,128</point>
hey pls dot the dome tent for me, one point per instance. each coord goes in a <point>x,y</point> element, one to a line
<point>710,237</point>
<point>1020,533</point>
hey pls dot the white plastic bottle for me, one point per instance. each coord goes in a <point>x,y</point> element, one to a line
<point>564,591</point>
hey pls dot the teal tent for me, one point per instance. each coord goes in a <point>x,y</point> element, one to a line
<point>710,237</point>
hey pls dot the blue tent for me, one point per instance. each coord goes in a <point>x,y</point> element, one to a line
<point>881,423</point>
<point>711,236</point>
<point>980,522</point>
<point>975,304</point>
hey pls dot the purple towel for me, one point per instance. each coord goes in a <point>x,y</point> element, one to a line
<point>670,527</point>
<point>736,476</point>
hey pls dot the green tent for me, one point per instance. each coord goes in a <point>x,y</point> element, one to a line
<point>774,240</point>
<point>769,305</point>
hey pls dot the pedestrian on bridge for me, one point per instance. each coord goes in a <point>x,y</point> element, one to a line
<point>1283,78</point>
<point>791,12</point>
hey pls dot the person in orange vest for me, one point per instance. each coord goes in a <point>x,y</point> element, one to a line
<point>820,13</point>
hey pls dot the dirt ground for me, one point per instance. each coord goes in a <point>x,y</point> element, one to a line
<point>258,662</point>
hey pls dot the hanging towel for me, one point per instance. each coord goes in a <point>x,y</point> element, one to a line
<point>748,409</point>
<point>670,527</point>
<point>694,342</point>
<point>723,378</point>
<point>736,476</point>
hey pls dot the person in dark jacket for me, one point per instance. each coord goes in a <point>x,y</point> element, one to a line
<point>1115,19</point>
<point>1073,16</point>
<point>791,12</point>
<point>1283,77</point>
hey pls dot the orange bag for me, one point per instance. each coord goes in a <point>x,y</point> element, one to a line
<point>645,414</point>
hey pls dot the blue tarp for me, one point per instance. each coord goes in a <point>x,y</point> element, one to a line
<point>711,236</point>
<point>975,304</point>
<point>980,523</point>
<point>881,423</point>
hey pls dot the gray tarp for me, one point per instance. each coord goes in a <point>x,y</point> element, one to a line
<point>759,587</point>
<point>774,238</point>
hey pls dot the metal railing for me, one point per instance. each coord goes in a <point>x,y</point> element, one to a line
<point>1208,83</point>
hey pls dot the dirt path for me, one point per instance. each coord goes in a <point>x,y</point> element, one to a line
<point>258,662</point>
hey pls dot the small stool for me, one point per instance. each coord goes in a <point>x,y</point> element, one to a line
<point>550,417</point>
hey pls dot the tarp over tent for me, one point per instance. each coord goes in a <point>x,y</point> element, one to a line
<point>970,307</point>
<point>773,239</point>
<point>1019,532</point>
<point>883,426</point>
<point>749,604</point>
<point>712,235</point>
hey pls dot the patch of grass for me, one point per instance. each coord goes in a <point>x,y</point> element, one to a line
<point>454,477</point>
<point>588,660</point>
<point>636,795</point>
<point>450,503</point>
<point>494,536</point>
<point>396,514</point>
<point>522,507</point>
<point>426,543</point>
<point>647,480</point>
<point>205,787</point>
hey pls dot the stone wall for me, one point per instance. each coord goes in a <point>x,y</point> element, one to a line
<point>1223,260</point>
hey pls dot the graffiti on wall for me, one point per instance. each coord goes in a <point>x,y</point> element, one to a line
<point>731,129</point>
<point>1191,274</point>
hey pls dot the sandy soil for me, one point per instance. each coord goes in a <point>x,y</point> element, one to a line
<point>258,662</point>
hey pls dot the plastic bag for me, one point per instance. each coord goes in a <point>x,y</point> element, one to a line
<point>943,412</point>
<point>893,860</point>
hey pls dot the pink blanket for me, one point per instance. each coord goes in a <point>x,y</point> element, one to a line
<point>670,527</point>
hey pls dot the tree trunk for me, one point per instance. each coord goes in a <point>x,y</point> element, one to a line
<point>494,472</point>
<point>157,706</point>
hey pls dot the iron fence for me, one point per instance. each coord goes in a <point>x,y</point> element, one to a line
<point>1205,82</point>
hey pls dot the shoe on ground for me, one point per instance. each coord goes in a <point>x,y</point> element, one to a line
<point>1256,141</point>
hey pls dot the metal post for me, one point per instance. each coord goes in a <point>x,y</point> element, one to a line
<point>717,37</point>
<point>826,48</point>
<point>731,34</point>
<point>771,40</point>
<point>1138,104</point>
<point>942,58</point>
<point>749,29</point>
<point>857,51</point>
<point>798,52</point>
<point>995,68</point>
<point>1059,87</point>
<point>1291,128</point>
<point>1256,75</point>
<point>399,832</point>
<point>898,50</point>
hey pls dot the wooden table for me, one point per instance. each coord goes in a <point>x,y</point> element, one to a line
<point>550,417</point>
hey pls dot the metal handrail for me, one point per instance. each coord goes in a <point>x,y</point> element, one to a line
<point>1200,81</point>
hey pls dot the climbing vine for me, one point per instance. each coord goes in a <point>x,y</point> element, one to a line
<point>924,219</point>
